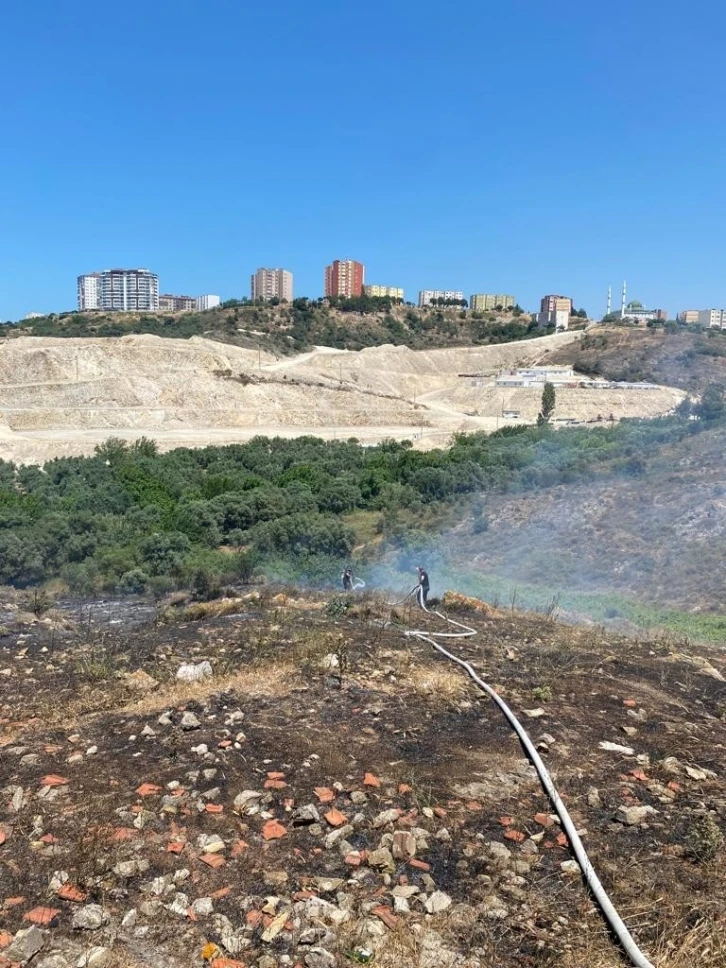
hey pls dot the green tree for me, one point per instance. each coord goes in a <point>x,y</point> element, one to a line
<point>712,405</point>
<point>548,405</point>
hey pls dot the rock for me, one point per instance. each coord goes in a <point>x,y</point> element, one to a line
<point>25,945</point>
<point>276,926</point>
<point>404,845</point>
<point>130,918</point>
<point>91,917</point>
<point>305,815</point>
<point>616,748</point>
<point>141,681</point>
<point>570,867</point>
<point>194,672</point>
<point>593,797</point>
<point>189,721</point>
<point>698,773</point>
<point>534,713</point>
<point>382,858</point>
<point>438,902</point>
<point>96,957</point>
<point>386,817</point>
<point>319,958</point>
<point>54,961</point>
<point>494,908</point>
<point>634,815</point>
<point>328,884</point>
<point>247,802</point>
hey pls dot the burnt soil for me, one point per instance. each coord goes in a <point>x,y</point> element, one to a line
<point>386,724</point>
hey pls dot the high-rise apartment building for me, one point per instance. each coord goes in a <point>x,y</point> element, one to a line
<point>271,284</point>
<point>428,296</point>
<point>344,277</point>
<point>89,291</point>
<point>176,304</point>
<point>383,292</point>
<point>482,301</point>
<point>554,311</point>
<point>207,302</point>
<point>130,290</point>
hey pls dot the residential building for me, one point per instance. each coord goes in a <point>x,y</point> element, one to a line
<point>176,304</point>
<point>427,296</point>
<point>207,302</point>
<point>271,284</point>
<point>554,311</point>
<point>89,291</point>
<point>690,317</point>
<point>712,318</point>
<point>128,290</point>
<point>637,313</point>
<point>383,292</point>
<point>482,301</point>
<point>344,277</point>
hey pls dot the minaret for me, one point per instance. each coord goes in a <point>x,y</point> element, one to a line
<point>622,305</point>
<point>610,299</point>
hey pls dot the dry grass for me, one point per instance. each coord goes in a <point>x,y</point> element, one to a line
<point>269,679</point>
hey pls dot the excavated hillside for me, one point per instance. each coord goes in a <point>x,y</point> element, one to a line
<point>61,396</point>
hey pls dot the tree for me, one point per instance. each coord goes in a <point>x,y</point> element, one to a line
<point>548,405</point>
<point>712,405</point>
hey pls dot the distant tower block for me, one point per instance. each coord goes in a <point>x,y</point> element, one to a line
<point>609,306</point>
<point>624,299</point>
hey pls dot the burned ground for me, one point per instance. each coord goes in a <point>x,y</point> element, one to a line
<point>336,788</point>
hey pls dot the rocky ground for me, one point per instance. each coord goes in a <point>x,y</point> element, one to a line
<point>329,792</point>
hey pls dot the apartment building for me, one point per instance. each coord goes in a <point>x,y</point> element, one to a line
<point>427,297</point>
<point>207,302</point>
<point>554,311</point>
<point>712,318</point>
<point>344,277</point>
<point>124,290</point>
<point>89,291</point>
<point>176,304</point>
<point>689,317</point>
<point>482,301</point>
<point>271,284</point>
<point>383,292</point>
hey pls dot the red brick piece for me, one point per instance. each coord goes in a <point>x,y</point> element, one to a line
<point>371,780</point>
<point>70,893</point>
<point>148,789</point>
<point>324,794</point>
<point>273,830</point>
<point>42,915</point>
<point>386,915</point>
<point>420,865</point>
<point>515,835</point>
<point>543,819</point>
<point>335,818</point>
<point>214,808</point>
<point>53,780</point>
<point>212,860</point>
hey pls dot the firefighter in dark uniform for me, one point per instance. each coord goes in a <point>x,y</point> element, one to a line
<point>423,584</point>
<point>348,580</point>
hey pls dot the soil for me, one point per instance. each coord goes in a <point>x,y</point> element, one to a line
<point>327,703</point>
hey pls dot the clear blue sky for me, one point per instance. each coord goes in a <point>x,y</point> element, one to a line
<point>523,146</point>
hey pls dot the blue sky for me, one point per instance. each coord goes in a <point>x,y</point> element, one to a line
<point>523,146</point>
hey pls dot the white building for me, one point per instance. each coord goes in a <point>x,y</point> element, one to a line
<point>89,291</point>
<point>271,284</point>
<point>207,302</point>
<point>129,290</point>
<point>712,318</point>
<point>427,296</point>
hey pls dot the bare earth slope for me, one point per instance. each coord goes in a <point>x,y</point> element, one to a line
<point>63,396</point>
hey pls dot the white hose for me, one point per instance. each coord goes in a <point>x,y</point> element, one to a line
<point>358,583</point>
<point>593,882</point>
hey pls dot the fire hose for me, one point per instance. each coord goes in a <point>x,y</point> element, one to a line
<point>612,917</point>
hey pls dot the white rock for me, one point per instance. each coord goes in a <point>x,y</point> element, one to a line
<point>438,902</point>
<point>194,672</point>
<point>616,748</point>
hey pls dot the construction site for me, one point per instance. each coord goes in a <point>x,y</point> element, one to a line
<point>62,397</point>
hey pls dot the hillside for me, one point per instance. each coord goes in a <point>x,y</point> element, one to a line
<point>652,534</point>
<point>63,396</point>
<point>677,358</point>
<point>334,793</point>
<point>350,324</point>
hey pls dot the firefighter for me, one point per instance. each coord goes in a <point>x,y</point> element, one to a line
<point>423,584</point>
<point>348,580</point>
